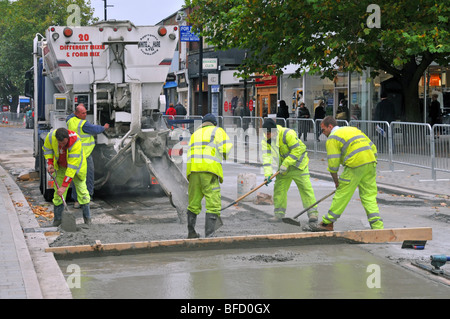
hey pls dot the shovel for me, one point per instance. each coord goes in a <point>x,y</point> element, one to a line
<point>295,222</point>
<point>253,190</point>
<point>68,219</point>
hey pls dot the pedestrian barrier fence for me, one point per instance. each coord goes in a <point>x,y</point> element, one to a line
<point>13,119</point>
<point>412,144</point>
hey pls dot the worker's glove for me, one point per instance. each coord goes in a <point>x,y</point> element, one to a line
<point>267,180</point>
<point>283,170</point>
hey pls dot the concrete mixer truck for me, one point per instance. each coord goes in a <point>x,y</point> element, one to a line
<point>117,70</point>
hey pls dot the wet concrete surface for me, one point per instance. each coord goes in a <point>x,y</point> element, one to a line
<point>307,272</point>
<point>285,272</point>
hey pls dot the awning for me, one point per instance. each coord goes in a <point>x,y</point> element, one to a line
<point>170,84</point>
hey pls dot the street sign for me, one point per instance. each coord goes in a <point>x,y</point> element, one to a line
<point>210,64</point>
<point>186,35</point>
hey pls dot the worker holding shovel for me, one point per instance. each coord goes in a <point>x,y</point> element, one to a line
<point>208,146</point>
<point>355,151</point>
<point>64,154</point>
<point>283,149</point>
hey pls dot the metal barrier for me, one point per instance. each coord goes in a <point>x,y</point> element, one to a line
<point>14,119</point>
<point>412,144</point>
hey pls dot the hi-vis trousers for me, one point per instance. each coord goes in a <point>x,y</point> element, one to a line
<point>79,185</point>
<point>363,177</point>
<point>303,182</point>
<point>203,184</point>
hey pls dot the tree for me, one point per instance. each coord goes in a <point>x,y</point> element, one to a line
<point>19,22</point>
<point>400,37</point>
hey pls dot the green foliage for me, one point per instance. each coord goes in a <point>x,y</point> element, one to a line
<point>322,36</point>
<point>19,22</point>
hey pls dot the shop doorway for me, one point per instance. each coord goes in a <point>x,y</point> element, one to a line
<point>340,95</point>
<point>267,104</point>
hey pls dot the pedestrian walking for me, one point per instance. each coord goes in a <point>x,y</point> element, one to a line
<point>180,109</point>
<point>77,122</point>
<point>64,154</point>
<point>283,150</point>
<point>355,151</point>
<point>384,111</point>
<point>171,111</point>
<point>283,110</point>
<point>208,146</point>
<point>303,126</point>
<point>319,114</point>
<point>435,112</point>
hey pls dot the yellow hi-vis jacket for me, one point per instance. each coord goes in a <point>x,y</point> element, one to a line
<point>76,160</point>
<point>286,149</point>
<point>75,124</point>
<point>350,147</point>
<point>208,146</point>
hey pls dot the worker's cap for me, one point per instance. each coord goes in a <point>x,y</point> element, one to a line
<point>269,125</point>
<point>209,118</point>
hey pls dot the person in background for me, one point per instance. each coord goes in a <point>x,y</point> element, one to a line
<point>319,114</point>
<point>435,112</point>
<point>77,122</point>
<point>180,109</point>
<point>171,111</point>
<point>303,126</point>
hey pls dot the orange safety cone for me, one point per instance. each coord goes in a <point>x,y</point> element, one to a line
<point>3,120</point>
<point>6,122</point>
<point>24,120</point>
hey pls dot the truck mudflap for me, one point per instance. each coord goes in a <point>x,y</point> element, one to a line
<point>171,180</point>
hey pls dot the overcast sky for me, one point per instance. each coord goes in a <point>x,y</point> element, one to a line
<point>139,12</point>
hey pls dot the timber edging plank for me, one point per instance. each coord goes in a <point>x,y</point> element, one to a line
<point>367,236</point>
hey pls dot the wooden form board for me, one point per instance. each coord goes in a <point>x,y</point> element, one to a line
<point>335,237</point>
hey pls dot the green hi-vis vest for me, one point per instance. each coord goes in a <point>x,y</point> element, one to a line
<point>350,147</point>
<point>208,146</point>
<point>76,125</point>
<point>286,149</point>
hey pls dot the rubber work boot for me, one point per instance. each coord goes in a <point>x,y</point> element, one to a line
<point>57,212</point>
<point>191,221</point>
<point>86,213</point>
<point>313,216</point>
<point>321,227</point>
<point>210,224</point>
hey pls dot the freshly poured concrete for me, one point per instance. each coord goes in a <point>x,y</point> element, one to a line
<point>325,271</point>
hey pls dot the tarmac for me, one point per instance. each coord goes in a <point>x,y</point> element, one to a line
<point>27,272</point>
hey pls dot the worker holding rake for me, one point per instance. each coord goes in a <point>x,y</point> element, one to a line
<point>208,146</point>
<point>283,149</point>
<point>355,151</point>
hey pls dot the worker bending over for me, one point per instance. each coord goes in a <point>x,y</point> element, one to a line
<point>282,149</point>
<point>65,156</point>
<point>208,146</point>
<point>355,151</point>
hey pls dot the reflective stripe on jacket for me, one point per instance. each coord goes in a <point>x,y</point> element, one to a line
<point>76,161</point>
<point>350,147</point>
<point>286,149</point>
<point>208,146</point>
<point>75,124</point>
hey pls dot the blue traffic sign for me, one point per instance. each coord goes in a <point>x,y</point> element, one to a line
<point>187,36</point>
